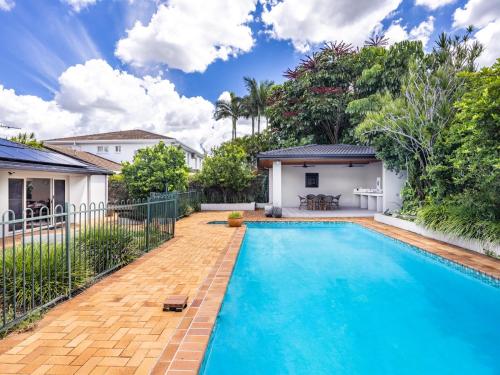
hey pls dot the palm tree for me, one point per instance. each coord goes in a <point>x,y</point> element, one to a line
<point>232,108</point>
<point>264,91</point>
<point>252,100</point>
<point>258,92</point>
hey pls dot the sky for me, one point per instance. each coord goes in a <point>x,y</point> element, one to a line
<point>72,67</point>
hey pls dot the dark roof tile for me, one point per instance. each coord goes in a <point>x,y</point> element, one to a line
<point>320,151</point>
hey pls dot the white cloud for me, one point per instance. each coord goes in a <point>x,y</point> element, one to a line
<point>477,12</point>
<point>78,5</point>
<point>396,33</point>
<point>93,97</point>
<point>485,15</point>
<point>423,31</point>
<point>489,36</point>
<point>433,4</point>
<point>306,23</point>
<point>7,5</point>
<point>190,34</point>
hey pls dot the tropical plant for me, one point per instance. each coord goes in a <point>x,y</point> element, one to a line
<point>226,170</point>
<point>313,101</point>
<point>232,109</point>
<point>466,177</point>
<point>27,139</point>
<point>156,169</point>
<point>256,100</point>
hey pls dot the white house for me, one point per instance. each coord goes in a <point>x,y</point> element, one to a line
<point>351,171</point>
<point>121,146</point>
<point>31,179</point>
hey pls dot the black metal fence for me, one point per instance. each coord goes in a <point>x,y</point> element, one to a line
<point>185,202</point>
<point>49,256</point>
<point>257,191</point>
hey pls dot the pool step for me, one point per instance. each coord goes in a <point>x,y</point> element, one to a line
<point>175,303</point>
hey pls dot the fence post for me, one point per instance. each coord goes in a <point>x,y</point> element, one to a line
<point>68,245</point>
<point>148,218</point>
<point>176,196</point>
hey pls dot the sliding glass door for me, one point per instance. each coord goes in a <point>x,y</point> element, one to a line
<point>36,197</point>
<point>16,196</point>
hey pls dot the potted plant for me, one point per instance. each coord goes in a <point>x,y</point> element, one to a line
<point>235,219</point>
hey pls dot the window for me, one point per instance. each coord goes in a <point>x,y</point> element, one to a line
<point>193,155</point>
<point>102,149</point>
<point>312,180</point>
<point>118,149</point>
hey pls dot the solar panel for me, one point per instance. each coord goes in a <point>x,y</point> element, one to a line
<point>14,151</point>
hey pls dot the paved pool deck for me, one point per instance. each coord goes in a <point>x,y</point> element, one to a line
<point>117,326</point>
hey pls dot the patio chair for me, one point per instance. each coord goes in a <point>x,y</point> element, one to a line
<point>311,201</point>
<point>320,203</point>
<point>329,202</point>
<point>302,202</point>
<point>336,200</point>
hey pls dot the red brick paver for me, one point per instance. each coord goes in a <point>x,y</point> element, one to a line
<point>118,325</point>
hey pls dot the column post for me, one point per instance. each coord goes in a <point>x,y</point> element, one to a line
<point>277,191</point>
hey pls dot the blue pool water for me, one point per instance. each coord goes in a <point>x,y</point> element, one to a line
<point>341,299</point>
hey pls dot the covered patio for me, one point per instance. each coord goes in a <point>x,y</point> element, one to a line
<point>302,179</point>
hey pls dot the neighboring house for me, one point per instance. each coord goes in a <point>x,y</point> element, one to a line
<point>31,179</point>
<point>350,170</point>
<point>86,157</point>
<point>121,146</point>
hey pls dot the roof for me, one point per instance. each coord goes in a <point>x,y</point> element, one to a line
<point>119,135</point>
<point>320,151</point>
<point>86,157</point>
<point>18,156</point>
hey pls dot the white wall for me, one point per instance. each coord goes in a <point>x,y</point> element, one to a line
<point>78,190</point>
<point>98,189</point>
<point>448,238</point>
<point>392,184</point>
<point>333,180</point>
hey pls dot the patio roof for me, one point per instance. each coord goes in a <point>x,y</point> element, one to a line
<point>320,154</point>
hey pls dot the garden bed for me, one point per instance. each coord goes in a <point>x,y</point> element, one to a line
<point>474,245</point>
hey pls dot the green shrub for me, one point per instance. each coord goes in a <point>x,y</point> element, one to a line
<point>45,276</point>
<point>107,247</point>
<point>235,215</point>
<point>460,217</point>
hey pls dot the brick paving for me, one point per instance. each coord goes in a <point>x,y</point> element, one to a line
<point>118,326</point>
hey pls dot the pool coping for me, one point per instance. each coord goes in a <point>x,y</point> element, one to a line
<point>185,352</point>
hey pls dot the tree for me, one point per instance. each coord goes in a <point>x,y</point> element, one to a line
<point>251,100</point>
<point>156,169</point>
<point>254,144</point>
<point>232,108</point>
<point>256,99</point>
<point>27,139</point>
<point>226,170</point>
<point>466,177</point>
<point>312,102</point>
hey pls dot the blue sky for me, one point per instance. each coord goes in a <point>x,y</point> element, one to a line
<point>202,47</point>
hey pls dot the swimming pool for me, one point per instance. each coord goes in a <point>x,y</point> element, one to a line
<point>336,298</point>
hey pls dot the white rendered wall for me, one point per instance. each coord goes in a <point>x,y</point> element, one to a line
<point>98,189</point>
<point>78,190</point>
<point>333,180</point>
<point>448,238</point>
<point>392,184</point>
